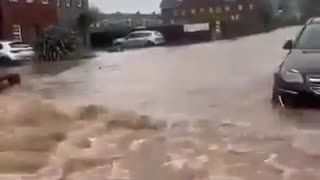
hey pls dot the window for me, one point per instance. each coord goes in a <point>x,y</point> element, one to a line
<point>68,3</point>
<point>45,1</point>
<point>138,35</point>
<point>218,26</point>
<point>13,0</point>
<point>227,8</point>
<point>240,7</point>
<point>201,10</point>
<point>211,10</point>
<point>193,11</point>
<point>29,1</point>
<point>237,17</point>
<point>79,3</point>
<point>19,44</point>
<point>218,10</point>
<point>183,12</point>
<point>58,2</point>
<point>16,31</point>
<point>251,6</point>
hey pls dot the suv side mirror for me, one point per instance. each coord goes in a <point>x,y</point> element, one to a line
<point>288,45</point>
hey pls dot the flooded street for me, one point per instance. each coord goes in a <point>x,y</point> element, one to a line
<point>197,112</point>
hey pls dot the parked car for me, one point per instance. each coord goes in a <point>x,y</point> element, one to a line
<point>298,76</point>
<point>140,39</point>
<point>14,51</point>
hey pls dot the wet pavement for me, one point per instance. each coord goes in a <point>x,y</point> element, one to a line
<point>197,112</point>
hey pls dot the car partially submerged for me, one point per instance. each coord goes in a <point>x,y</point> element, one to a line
<point>298,76</point>
<point>140,38</point>
<point>15,51</point>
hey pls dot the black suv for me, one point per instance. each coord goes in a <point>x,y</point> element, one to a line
<point>299,74</point>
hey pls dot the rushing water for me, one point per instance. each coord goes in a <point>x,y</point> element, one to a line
<point>198,112</point>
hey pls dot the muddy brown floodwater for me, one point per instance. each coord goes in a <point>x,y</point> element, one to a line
<point>198,112</point>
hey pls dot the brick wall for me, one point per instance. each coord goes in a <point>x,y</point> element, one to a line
<point>236,16</point>
<point>30,16</point>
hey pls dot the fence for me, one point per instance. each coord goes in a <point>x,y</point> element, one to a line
<point>176,34</point>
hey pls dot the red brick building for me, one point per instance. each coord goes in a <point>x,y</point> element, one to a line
<point>23,19</point>
<point>195,11</point>
<point>233,16</point>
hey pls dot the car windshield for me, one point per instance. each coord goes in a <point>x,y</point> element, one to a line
<point>310,38</point>
<point>138,35</point>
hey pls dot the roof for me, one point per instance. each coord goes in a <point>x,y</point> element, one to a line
<point>143,31</point>
<point>167,4</point>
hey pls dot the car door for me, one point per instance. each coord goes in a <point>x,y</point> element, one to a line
<point>130,40</point>
<point>137,39</point>
<point>142,39</point>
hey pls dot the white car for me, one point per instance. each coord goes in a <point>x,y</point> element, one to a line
<point>13,51</point>
<point>140,39</point>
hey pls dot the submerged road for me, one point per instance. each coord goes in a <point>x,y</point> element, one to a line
<point>196,112</point>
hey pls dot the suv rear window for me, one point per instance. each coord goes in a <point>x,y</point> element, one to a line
<point>19,45</point>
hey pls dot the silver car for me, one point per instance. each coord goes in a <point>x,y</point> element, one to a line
<point>140,39</point>
<point>14,51</point>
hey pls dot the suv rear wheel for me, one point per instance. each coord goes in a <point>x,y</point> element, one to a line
<point>150,44</point>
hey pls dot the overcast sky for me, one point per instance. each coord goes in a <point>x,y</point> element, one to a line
<point>110,6</point>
